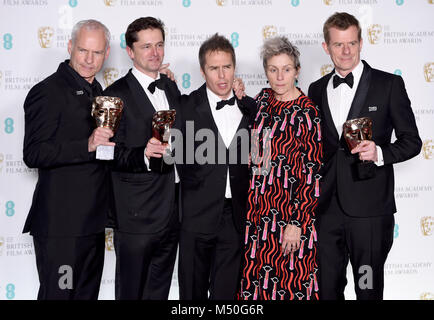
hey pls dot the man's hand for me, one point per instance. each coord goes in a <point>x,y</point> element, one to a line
<point>164,69</point>
<point>100,136</point>
<point>291,239</point>
<point>155,148</point>
<point>239,88</point>
<point>367,150</point>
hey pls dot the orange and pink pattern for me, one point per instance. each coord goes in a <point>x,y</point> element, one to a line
<point>284,189</point>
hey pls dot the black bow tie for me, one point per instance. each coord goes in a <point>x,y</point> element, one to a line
<point>157,83</point>
<point>349,80</point>
<point>223,103</point>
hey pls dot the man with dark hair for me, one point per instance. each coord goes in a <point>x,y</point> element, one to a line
<point>357,202</point>
<point>70,203</point>
<point>214,185</point>
<point>146,198</point>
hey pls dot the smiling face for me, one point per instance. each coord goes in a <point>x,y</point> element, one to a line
<point>88,52</point>
<point>281,74</point>
<point>219,72</point>
<point>147,52</point>
<point>344,48</point>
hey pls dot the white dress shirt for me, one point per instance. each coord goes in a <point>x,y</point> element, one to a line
<point>227,120</point>
<point>340,100</point>
<point>158,100</point>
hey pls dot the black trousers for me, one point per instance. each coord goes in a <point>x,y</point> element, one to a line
<point>69,268</point>
<point>145,262</point>
<point>210,262</point>
<point>365,242</point>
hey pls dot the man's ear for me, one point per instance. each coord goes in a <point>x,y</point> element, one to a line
<point>326,48</point>
<point>107,53</point>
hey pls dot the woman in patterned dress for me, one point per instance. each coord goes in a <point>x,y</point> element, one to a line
<point>280,252</point>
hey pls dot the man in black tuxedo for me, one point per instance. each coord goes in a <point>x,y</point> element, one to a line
<point>146,197</point>
<point>356,219</point>
<point>70,203</point>
<point>214,178</point>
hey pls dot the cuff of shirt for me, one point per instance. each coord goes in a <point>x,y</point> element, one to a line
<point>380,160</point>
<point>146,160</point>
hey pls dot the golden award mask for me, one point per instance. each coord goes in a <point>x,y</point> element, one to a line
<point>354,132</point>
<point>162,121</point>
<point>357,130</point>
<point>107,113</point>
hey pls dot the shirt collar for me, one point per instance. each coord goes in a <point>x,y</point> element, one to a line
<point>143,79</point>
<point>213,98</point>
<point>357,73</point>
<point>91,88</point>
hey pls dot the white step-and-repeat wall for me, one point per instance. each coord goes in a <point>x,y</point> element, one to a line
<point>398,38</point>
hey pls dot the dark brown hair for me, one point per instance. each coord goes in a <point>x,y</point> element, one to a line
<point>341,21</point>
<point>215,43</point>
<point>142,24</point>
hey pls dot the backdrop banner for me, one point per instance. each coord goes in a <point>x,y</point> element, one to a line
<point>398,37</point>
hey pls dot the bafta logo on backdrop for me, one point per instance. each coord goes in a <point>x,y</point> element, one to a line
<point>374,33</point>
<point>427,225</point>
<point>1,162</point>
<point>328,2</point>
<point>269,32</point>
<point>110,3</point>
<point>222,3</point>
<point>326,69</point>
<point>2,244</point>
<point>428,71</point>
<point>110,75</point>
<point>45,36</point>
<point>427,149</point>
<point>427,296</point>
<point>109,246</point>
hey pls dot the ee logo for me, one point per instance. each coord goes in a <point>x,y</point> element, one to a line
<point>398,72</point>
<point>399,2</point>
<point>10,208</point>
<point>295,3</point>
<point>186,3</point>
<point>396,231</point>
<point>73,3</point>
<point>7,41</point>
<point>123,41</point>
<point>186,80</point>
<point>9,125</point>
<point>235,39</point>
<point>10,291</point>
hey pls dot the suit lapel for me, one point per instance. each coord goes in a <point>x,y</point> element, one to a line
<point>361,93</point>
<point>327,116</point>
<point>172,99</point>
<point>144,105</point>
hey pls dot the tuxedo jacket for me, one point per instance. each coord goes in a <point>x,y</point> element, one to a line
<point>382,97</point>
<point>203,185</point>
<point>71,195</point>
<point>143,199</point>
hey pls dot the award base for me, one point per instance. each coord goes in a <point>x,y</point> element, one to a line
<point>105,152</point>
<point>366,170</point>
<point>159,165</point>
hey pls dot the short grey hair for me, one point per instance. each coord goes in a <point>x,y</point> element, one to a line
<point>90,25</point>
<point>279,45</point>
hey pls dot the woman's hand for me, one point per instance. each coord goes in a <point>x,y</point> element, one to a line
<point>291,239</point>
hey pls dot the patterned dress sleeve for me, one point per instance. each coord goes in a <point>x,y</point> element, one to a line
<point>307,164</point>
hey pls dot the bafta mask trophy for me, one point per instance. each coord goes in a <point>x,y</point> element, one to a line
<point>162,121</point>
<point>107,113</point>
<point>354,132</point>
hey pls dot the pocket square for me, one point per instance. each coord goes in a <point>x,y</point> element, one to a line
<point>373,108</point>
